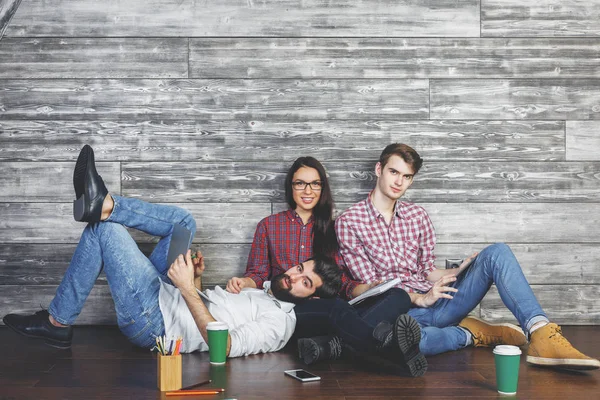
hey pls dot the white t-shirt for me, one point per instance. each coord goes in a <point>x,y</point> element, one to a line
<point>258,323</point>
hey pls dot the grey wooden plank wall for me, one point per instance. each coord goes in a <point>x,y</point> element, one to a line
<point>205,104</point>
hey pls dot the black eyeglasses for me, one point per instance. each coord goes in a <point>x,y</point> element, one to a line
<point>301,185</point>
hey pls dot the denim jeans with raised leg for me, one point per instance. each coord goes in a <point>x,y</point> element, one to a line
<point>354,324</point>
<point>132,277</point>
<point>494,264</point>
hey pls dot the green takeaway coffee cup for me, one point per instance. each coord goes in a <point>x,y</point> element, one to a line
<point>507,368</point>
<point>217,342</point>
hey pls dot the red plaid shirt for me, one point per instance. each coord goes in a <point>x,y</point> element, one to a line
<point>281,241</point>
<point>372,250</point>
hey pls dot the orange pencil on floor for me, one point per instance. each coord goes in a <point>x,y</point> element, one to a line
<point>195,392</point>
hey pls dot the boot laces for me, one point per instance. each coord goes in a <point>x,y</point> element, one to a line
<point>557,336</point>
<point>487,339</point>
<point>335,348</point>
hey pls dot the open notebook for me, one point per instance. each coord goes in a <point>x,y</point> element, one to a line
<point>377,290</point>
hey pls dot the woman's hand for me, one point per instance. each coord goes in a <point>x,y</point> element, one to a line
<point>235,284</point>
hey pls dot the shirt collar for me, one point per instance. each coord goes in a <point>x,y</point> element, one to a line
<point>399,209</point>
<point>284,305</point>
<point>293,216</point>
<point>374,213</point>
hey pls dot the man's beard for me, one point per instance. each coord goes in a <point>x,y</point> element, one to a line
<point>282,293</point>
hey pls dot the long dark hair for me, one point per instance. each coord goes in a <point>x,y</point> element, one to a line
<point>324,240</point>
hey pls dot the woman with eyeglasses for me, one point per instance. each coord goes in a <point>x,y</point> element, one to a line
<point>292,236</point>
<point>306,229</point>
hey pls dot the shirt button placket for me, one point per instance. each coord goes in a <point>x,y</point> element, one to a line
<point>303,239</point>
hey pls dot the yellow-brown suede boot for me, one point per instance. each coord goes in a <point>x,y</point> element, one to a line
<point>488,335</point>
<point>548,347</point>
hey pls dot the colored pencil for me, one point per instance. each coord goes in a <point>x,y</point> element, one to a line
<point>196,385</point>
<point>195,392</point>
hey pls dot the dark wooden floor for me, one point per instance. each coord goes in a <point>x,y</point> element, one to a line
<point>102,364</point>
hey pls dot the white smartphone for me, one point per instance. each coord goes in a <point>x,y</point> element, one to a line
<point>302,375</point>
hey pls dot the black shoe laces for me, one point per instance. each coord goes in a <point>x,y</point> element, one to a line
<point>335,348</point>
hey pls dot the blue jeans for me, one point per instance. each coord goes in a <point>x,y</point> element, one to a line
<point>354,324</point>
<point>494,264</point>
<point>132,277</point>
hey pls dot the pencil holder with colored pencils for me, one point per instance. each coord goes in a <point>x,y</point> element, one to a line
<point>169,372</point>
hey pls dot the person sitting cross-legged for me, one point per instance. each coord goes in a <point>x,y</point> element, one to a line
<point>383,237</point>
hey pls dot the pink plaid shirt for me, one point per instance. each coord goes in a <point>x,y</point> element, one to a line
<point>372,250</point>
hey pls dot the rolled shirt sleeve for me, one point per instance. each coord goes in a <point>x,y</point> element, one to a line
<point>348,281</point>
<point>270,333</point>
<point>427,242</point>
<point>258,267</point>
<point>258,323</point>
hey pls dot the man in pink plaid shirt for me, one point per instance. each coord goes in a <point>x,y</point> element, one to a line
<point>382,237</point>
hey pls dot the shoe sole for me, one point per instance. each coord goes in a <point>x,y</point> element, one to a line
<point>306,351</point>
<point>566,363</point>
<point>408,334</point>
<point>507,325</point>
<point>83,161</point>
<point>85,154</point>
<point>57,344</point>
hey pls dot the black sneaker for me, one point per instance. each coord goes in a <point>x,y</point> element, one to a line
<point>319,348</point>
<point>38,326</point>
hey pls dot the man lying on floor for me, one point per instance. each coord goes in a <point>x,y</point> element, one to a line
<point>154,299</point>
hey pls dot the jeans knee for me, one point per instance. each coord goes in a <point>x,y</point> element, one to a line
<point>400,298</point>
<point>501,256</point>
<point>338,308</point>
<point>189,222</point>
<point>497,249</point>
<point>107,228</point>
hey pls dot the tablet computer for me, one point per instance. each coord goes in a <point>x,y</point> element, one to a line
<point>181,240</point>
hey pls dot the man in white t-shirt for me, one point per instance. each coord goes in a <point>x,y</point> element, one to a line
<point>153,298</point>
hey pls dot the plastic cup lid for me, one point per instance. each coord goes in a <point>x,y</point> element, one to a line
<point>216,326</point>
<point>506,350</point>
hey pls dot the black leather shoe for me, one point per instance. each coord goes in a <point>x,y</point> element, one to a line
<point>90,190</point>
<point>38,326</point>
<point>399,343</point>
<point>318,348</point>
